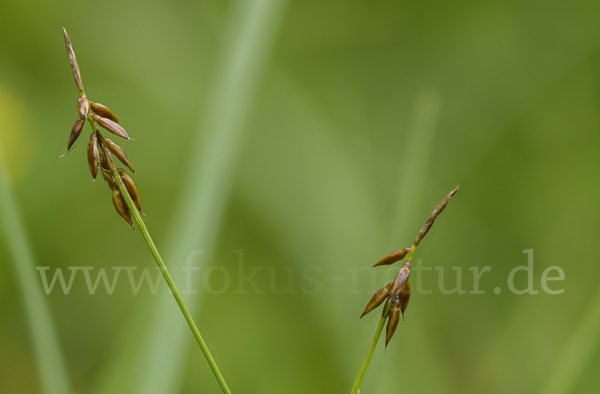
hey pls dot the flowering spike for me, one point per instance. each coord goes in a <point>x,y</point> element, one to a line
<point>436,212</point>
<point>104,111</point>
<point>393,257</point>
<point>111,126</point>
<point>93,155</point>
<point>117,151</point>
<point>378,298</point>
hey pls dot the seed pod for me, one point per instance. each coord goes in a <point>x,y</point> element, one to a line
<point>400,280</point>
<point>378,298</point>
<point>121,206</point>
<point>83,106</point>
<point>117,151</point>
<point>393,319</point>
<point>104,111</point>
<point>93,154</point>
<point>131,188</point>
<point>404,298</point>
<point>111,126</point>
<point>434,216</point>
<point>393,257</point>
<point>75,132</point>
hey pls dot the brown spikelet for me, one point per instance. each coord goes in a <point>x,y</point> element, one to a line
<point>83,106</point>
<point>400,280</point>
<point>393,257</point>
<point>393,319</point>
<point>131,188</point>
<point>111,126</point>
<point>378,298</point>
<point>75,132</point>
<point>433,216</point>
<point>404,298</point>
<point>119,153</point>
<point>108,178</point>
<point>104,111</point>
<point>121,206</point>
<point>93,153</point>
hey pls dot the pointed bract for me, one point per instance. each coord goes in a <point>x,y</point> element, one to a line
<point>104,111</point>
<point>111,126</point>
<point>93,153</point>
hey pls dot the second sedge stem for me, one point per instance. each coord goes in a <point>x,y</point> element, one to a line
<point>363,370</point>
<point>163,268</point>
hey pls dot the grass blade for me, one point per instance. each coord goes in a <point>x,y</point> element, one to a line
<point>418,144</point>
<point>579,350</point>
<point>247,43</point>
<point>50,362</point>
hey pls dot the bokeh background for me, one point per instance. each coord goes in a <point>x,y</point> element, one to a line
<point>310,135</point>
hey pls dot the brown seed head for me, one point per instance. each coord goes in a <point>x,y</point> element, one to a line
<point>433,216</point>
<point>393,257</point>
<point>104,111</point>
<point>378,298</point>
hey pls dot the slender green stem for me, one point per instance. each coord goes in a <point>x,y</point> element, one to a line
<point>186,313</point>
<point>363,370</point>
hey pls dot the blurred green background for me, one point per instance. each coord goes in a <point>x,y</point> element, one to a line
<point>311,135</point>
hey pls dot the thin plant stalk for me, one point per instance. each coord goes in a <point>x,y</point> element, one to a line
<point>240,64</point>
<point>365,366</point>
<point>163,268</point>
<point>579,349</point>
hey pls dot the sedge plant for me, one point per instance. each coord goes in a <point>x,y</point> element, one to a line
<point>125,195</point>
<point>396,294</point>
